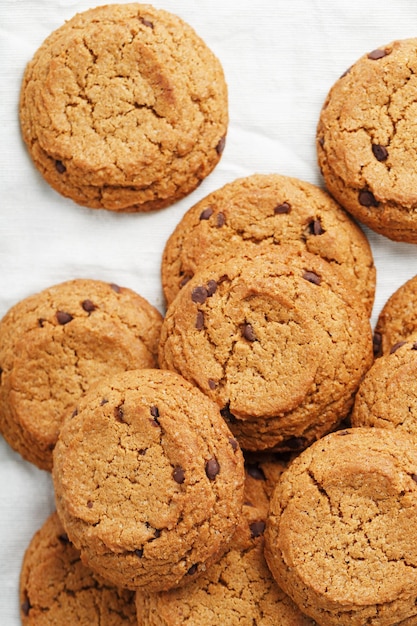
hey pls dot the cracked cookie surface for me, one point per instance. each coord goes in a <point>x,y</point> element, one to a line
<point>264,210</point>
<point>365,140</point>
<point>124,107</point>
<point>340,537</point>
<point>239,589</point>
<point>148,480</point>
<point>277,339</point>
<point>56,588</point>
<point>55,344</point>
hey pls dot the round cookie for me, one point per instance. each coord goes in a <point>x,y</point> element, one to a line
<point>55,344</point>
<point>56,588</point>
<point>277,339</point>
<point>340,537</point>
<point>266,210</point>
<point>148,480</point>
<point>387,396</point>
<point>124,107</point>
<point>397,319</point>
<point>239,589</point>
<point>365,140</point>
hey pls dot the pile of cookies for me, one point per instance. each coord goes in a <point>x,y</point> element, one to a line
<point>248,457</point>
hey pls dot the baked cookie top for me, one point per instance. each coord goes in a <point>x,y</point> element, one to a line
<point>56,588</point>
<point>277,339</point>
<point>397,319</point>
<point>340,537</point>
<point>365,140</point>
<point>266,210</point>
<point>55,344</point>
<point>148,480</point>
<point>124,107</point>
<point>387,396</point>
<point>239,588</point>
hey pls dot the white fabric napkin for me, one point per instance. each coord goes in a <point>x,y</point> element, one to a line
<point>280,59</point>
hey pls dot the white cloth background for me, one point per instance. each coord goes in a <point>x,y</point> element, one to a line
<point>280,59</point>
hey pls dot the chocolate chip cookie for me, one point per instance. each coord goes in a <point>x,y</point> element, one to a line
<point>55,344</point>
<point>148,480</point>
<point>56,588</point>
<point>340,537</point>
<point>124,107</point>
<point>366,140</point>
<point>278,340</point>
<point>263,211</point>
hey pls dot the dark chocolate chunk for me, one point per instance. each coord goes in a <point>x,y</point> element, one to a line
<point>199,294</point>
<point>184,280</point>
<point>312,277</point>
<point>234,444</point>
<point>211,288</point>
<point>206,214</point>
<point>199,321</point>
<point>377,54</point>
<point>248,332</point>
<point>25,606</point>
<point>155,415</point>
<point>397,345</point>
<point>88,306</point>
<point>221,220</point>
<point>212,383</point>
<point>379,152</point>
<point>366,198</point>
<point>63,317</point>
<point>60,167</point>
<point>192,570</point>
<point>221,145</point>
<point>316,227</point>
<point>146,22</point>
<point>41,322</point>
<point>257,528</point>
<point>178,475</point>
<point>282,209</point>
<point>139,552</point>
<point>90,504</point>
<point>212,469</point>
<point>115,287</point>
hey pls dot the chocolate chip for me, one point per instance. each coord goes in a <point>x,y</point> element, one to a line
<point>90,504</point>
<point>63,317</point>
<point>115,287</point>
<point>185,280</point>
<point>146,22</point>
<point>155,415</point>
<point>221,220</point>
<point>199,321</point>
<point>315,227</point>
<point>199,294</point>
<point>380,152</point>
<point>212,469</point>
<point>413,347</point>
<point>212,383</point>
<point>192,570</point>
<point>103,402</point>
<point>366,198</point>
<point>397,345</point>
<point>233,443</point>
<point>221,145</point>
<point>377,54</point>
<point>60,167</point>
<point>139,552</point>
<point>248,332</point>
<point>377,344</point>
<point>156,534</point>
<point>312,277</point>
<point>178,475</point>
<point>211,288</point>
<point>282,209</point>
<point>257,528</point>
<point>414,477</point>
<point>41,322</point>
<point>206,214</point>
<point>88,306</point>
<point>119,413</point>
<point>255,471</point>
<point>226,414</point>
<point>25,606</point>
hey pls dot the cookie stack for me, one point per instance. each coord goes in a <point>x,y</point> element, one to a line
<point>166,435</point>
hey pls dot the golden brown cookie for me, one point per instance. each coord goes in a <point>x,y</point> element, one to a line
<point>124,107</point>
<point>387,397</point>
<point>397,319</point>
<point>277,339</point>
<point>56,588</point>
<point>366,140</point>
<point>239,589</point>
<point>148,480</point>
<point>340,538</point>
<point>266,210</point>
<point>55,344</point>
